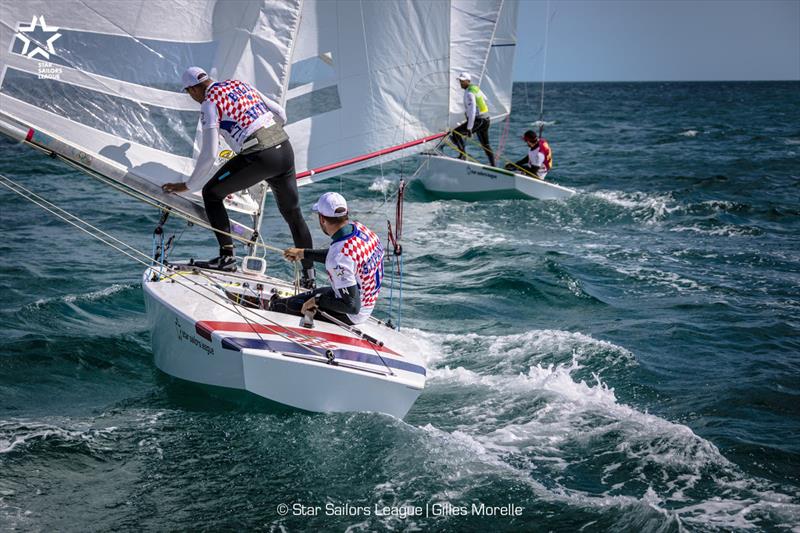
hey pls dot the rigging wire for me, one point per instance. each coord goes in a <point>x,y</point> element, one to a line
<point>544,64</point>
<point>110,241</point>
<point>147,199</point>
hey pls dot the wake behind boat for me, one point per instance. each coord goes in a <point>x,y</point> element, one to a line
<point>211,327</point>
<point>447,177</point>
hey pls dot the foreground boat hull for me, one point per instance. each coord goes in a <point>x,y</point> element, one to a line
<point>446,177</point>
<point>210,340</point>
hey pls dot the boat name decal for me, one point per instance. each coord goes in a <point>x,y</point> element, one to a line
<point>471,170</point>
<point>200,343</point>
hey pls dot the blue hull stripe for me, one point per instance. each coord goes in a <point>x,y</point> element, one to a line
<point>238,344</point>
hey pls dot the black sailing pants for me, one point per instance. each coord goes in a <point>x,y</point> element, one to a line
<point>276,165</point>
<point>481,129</point>
<point>293,304</point>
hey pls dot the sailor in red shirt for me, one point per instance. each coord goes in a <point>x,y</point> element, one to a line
<point>539,159</point>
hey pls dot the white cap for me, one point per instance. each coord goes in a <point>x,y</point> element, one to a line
<point>331,204</point>
<point>464,76</point>
<point>192,76</point>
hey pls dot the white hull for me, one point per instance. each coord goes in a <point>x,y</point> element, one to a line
<point>467,180</point>
<point>210,340</point>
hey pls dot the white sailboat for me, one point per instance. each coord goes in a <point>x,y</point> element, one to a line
<point>447,177</point>
<point>95,84</point>
<point>483,41</point>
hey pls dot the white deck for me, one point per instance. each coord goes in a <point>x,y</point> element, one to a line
<point>199,334</point>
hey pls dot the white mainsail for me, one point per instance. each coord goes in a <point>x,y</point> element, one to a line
<point>363,82</point>
<point>98,81</point>
<point>369,81</point>
<point>497,77</point>
<point>472,25</point>
<point>482,42</point>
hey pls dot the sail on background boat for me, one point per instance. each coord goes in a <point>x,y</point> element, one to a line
<point>497,80</point>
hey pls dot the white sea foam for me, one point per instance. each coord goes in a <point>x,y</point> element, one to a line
<point>455,236</point>
<point>540,123</point>
<point>381,185</point>
<point>528,347</point>
<point>689,133</point>
<point>647,208</point>
<point>564,417</point>
<point>649,275</point>
<point>726,230</point>
<point>16,434</point>
<point>88,297</point>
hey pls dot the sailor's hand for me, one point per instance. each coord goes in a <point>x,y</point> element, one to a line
<point>174,187</point>
<point>469,133</point>
<point>293,254</point>
<point>310,306</point>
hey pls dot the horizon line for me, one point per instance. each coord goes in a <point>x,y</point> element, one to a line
<point>657,81</point>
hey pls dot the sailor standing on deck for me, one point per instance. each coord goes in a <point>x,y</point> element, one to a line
<point>252,125</point>
<point>539,159</point>
<point>354,263</point>
<point>478,122</point>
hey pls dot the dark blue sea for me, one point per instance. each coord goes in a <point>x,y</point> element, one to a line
<point>626,360</point>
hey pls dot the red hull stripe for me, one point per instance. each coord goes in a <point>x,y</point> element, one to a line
<point>201,329</point>
<point>29,136</point>
<point>209,326</point>
<point>372,155</point>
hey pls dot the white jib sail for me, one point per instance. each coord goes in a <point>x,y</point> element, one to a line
<point>368,81</point>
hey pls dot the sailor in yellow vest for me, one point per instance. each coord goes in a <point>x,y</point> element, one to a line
<point>478,121</point>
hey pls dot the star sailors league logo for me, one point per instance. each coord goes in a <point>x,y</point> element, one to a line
<point>37,40</point>
<point>28,41</point>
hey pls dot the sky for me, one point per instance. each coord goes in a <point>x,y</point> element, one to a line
<point>655,40</point>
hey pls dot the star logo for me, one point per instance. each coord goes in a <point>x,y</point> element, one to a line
<point>28,40</point>
<point>339,271</point>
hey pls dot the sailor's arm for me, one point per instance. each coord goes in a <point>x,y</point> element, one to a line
<point>205,161</point>
<point>277,111</point>
<point>318,255</point>
<point>471,108</point>
<point>523,164</point>
<point>209,120</point>
<point>345,297</point>
<point>346,300</point>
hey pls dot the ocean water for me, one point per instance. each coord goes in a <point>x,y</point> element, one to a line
<point>626,360</point>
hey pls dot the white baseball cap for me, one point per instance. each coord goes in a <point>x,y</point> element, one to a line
<point>464,76</point>
<point>331,204</point>
<point>192,76</point>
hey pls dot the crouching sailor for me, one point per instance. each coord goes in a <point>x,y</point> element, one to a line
<point>354,263</point>
<point>252,125</point>
<point>539,159</point>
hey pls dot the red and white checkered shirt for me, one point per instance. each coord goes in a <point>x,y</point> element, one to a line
<point>237,109</point>
<point>357,258</point>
